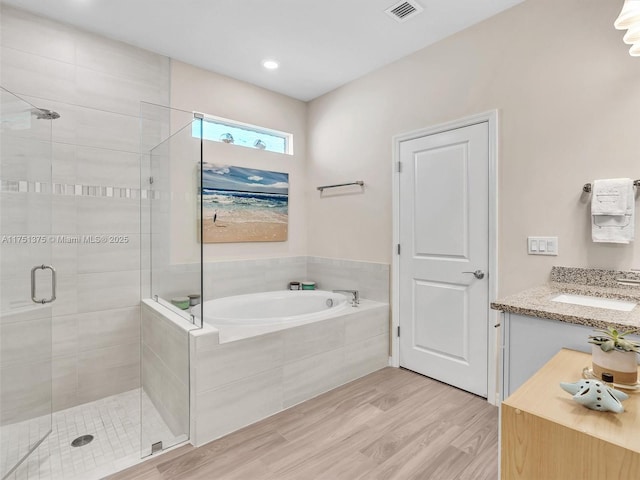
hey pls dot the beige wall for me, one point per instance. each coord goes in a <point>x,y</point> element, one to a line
<point>194,89</point>
<point>568,99</point>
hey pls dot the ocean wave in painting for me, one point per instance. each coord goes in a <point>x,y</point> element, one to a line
<point>237,195</point>
<point>245,206</point>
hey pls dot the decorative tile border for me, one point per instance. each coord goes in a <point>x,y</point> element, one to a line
<point>77,190</point>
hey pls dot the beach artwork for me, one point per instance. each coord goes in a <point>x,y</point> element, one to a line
<point>244,204</point>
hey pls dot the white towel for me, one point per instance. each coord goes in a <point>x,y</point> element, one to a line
<point>613,211</point>
<point>612,197</point>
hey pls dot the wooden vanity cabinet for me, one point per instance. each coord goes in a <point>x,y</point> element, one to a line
<point>545,435</point>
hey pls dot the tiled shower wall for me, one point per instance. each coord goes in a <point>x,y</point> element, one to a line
<point>96,85</point>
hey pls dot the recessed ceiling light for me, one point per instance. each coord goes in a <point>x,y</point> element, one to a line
<point>270,64</point>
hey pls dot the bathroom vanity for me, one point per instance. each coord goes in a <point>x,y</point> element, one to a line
<point>545,330</point>
<point>546,435</point>
<point>535,325</point>
<point>529,342</point>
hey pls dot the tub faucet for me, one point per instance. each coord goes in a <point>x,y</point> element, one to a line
<point>355,301</point>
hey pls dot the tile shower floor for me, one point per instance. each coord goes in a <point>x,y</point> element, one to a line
<point>115,424</point>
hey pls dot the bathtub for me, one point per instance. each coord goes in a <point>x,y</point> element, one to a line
<point>244,316</point>
<point>261,353</point>
<point>273,307</point>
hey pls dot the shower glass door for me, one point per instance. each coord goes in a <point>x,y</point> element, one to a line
<point>171,271</point>
<point>25,275</point>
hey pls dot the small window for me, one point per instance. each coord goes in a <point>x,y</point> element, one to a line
<point>250,136</point>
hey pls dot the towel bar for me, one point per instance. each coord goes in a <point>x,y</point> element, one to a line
<point>359,182</point>
<point>587,186</point>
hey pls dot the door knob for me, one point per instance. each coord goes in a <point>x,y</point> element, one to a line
<point>479,274</point>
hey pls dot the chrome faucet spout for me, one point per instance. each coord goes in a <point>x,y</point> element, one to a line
<point>355,300</point>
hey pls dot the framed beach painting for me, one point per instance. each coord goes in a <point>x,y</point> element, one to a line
<point>244,204</point>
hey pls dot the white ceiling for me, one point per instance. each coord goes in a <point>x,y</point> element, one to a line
<point>320,44</point>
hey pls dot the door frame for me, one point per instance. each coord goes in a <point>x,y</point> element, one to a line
<point>493,337</point>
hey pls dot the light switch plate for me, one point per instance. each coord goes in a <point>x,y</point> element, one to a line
<point>542,246</point>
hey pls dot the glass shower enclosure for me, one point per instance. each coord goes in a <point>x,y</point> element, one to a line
<point>27,280</point>
<point>171,267</point>
<point>171,279</point>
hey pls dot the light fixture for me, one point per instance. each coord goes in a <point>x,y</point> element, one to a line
<point>629,19</point>
<point>270,64</point>
<point>259,144</point>
<point>629,15</point>
<point>633,34</point>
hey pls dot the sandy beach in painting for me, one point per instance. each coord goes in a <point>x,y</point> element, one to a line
<point>244,226</point>
<point>225,232</point>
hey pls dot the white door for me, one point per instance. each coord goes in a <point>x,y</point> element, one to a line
<point>444,234</point>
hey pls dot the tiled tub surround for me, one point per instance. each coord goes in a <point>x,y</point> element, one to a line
<point>339,350</point>
<point>96,84</point>
<point>237,277</point>
<point>237,383</point>
<point>536,302</point>
<point>165,369</point>
<point>369,278</point>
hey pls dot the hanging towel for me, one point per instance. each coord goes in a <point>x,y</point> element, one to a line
<point>612,197</point>
<point>613,210</point>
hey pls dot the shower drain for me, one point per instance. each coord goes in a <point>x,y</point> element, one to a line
<point>82,441</point>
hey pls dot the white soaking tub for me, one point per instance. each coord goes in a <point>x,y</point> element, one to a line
<point>273,308</point>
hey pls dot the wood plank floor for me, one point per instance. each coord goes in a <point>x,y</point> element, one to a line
<point>391,424</point>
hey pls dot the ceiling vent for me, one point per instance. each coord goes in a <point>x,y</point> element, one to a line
<point>404,10</point>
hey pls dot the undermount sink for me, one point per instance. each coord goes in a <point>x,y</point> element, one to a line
<point>597,302</point>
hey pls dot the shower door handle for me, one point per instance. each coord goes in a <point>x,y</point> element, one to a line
<point>33,284</point>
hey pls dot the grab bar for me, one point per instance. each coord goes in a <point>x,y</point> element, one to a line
<point>359,182</point>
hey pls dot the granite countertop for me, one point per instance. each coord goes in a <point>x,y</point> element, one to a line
<point>536,302</point>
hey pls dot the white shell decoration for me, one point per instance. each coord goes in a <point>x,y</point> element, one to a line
<point>596,395</point>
